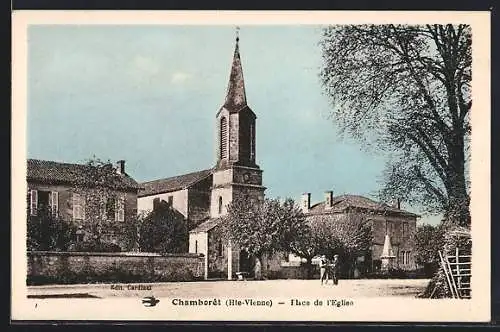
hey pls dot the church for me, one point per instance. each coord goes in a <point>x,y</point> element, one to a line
<point>202,197</point>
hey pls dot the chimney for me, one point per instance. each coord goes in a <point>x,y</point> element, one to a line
<point>396,203</point>
<point>306,202</point>
<point>328,199</point>
<point>120,166</point>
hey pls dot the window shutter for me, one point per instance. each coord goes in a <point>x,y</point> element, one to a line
<point>50,201</point>
<point>34,202</point>
<point>104,212</point>
<point>83,203</point>
<point>75,203</point>
<point>77,210</point>
<point>223,138</point>
<point>122,208</point>
<point>54,202</point>
<point>119,208</point>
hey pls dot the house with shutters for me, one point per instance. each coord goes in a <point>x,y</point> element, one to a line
<point>64,189</point>
<point>393,228</point>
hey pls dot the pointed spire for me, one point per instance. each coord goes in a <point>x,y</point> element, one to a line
<point>236,96</point>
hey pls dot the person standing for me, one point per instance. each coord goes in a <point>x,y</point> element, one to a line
<point>335,267</point>
<point>323,271</point>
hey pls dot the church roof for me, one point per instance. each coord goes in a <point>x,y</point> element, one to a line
<point>206,226</point>
<point>344,202</point>
<point>236,97</point>
<point>173,183</point>
<point>47,171</point>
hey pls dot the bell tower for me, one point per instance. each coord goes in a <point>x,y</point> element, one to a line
<point>236,171</point>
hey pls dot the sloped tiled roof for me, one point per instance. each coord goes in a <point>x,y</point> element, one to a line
<point>343,202</point>
<point>46,171</point>
<point>206,226</point>
<point>173,183</point>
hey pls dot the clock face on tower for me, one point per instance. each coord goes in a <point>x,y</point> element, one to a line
<point>246,177</point>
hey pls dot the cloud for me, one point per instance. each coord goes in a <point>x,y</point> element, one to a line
<point>179,77</point>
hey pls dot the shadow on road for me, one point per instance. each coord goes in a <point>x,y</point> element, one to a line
<point>64,296</point>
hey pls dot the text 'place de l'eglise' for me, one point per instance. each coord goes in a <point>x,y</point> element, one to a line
<point>201,198</point>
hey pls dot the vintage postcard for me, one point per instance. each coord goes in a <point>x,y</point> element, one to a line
<point>251,166</point>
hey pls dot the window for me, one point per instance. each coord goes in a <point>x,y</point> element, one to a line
<point>115,208</point>
<point>196,246</point>
<point>78,207</point>
<point>45,200</point>
<point>223,138</point>
<point>219,248</point>
<point>80,235</point>
<point>170,200</point>
<point>33,202</point>
<point>389,228</point>
<point>402,257</point>
<point>111,208</point>
<point>252,142</point>
<point>405,230</point>
<point>405,255</point>
<point>220,204</point>
<point>54,202</point>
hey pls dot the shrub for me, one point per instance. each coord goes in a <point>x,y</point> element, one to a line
<point>91,246</point>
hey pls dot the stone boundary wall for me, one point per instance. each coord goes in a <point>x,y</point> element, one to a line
<point>49,267</point>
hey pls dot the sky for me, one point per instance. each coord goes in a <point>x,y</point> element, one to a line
<point>149,95</point>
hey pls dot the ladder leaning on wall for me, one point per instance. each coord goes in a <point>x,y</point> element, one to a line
<point>457,269</point>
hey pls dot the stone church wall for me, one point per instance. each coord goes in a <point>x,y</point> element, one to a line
<point>179,202</point>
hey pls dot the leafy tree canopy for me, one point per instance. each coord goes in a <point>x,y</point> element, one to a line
<point>163,230</point>
<point>407,90</point>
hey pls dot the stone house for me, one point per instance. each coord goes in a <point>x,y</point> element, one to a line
<point>392,228</point>
<point>57,186</point>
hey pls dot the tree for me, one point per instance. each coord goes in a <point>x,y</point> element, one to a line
<point>262,228</point>
<point>308,243</point>
<point>163,230</point>
<point>428,241</point>
<point>348,235</point>
<point>48,231</point>
<point>407,89</point>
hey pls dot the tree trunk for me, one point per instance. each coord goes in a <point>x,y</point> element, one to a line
<point>457,211</point>
<point>309,268</point>
<point>258,268</point>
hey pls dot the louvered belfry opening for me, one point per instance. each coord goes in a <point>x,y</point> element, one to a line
<point>223,138</point>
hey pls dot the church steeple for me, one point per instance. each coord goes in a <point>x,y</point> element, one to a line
<point>236,121</point>
<point>236,96</point>
<point>236,173</point>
